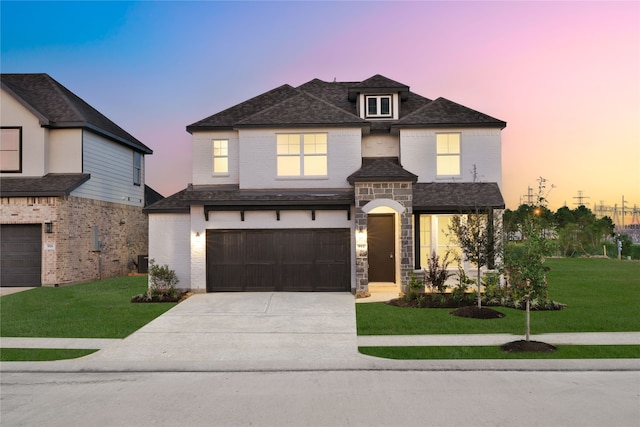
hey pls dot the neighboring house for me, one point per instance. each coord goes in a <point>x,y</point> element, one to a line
<point>329,186</point>
<point>72,188</point>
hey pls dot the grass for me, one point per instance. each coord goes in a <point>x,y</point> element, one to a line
<point>494,352</point>
<point>41,354</point>
<point>602,295</point>
<point>100,309</point>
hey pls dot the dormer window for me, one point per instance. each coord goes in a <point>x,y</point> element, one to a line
<point>378,106</point>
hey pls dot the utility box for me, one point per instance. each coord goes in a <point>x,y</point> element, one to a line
<point>143,264</point>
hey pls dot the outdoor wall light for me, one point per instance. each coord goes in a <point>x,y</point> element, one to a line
<point>197,234</point>
<point>48,227</point>
<point>361,240</point>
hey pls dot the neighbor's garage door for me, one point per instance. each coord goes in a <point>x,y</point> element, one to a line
<point>278,260</point>
<point>20,255</point>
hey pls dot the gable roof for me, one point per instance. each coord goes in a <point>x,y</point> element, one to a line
<point>226,119</point>
<point>58,108</point>
<point>377,84</point>
<point>302,110</point>
<point>445,113</point>
<point>381,169</point>
<point>334,104</point>
<point>50,185</point>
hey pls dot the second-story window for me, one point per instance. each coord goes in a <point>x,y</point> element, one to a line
<point>137,168</point>
<point>220,156</point>
<point>379,106</point>
<point>302,154</point>
<point>11,149</point>
<point>448,152</point>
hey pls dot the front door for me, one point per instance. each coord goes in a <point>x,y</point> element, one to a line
<point>381,243</point>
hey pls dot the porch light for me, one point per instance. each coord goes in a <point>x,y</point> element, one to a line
<point>48,227</point>
<point>361,240</point>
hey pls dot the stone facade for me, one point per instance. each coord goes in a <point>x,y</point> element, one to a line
<point>402,193</point>
<point>68,253</point>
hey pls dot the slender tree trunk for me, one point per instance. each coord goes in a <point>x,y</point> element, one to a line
<point>528,327</point>
<point>479,281</point>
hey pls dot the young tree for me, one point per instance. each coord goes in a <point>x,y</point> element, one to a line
<point>474,234</point>
<point>524,266</point>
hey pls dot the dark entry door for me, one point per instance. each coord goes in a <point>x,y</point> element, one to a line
<point>381,243</point>
<point>21,255</point>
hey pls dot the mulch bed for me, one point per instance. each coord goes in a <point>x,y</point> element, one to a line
<point>428,301</point>
<point>528,346</point>
<point>144,298</point>
<point>475,312</point>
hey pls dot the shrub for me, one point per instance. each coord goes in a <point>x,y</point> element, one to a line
<point>162,280</point>
<point>436,274</point>
<point>414,288</point>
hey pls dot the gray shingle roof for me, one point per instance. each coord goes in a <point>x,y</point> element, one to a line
<point>334,103</point>
<point>303,110</point>
<point>382,169</point>
<point>456,196</point>
<point>225,195</point>
<point>228,118</point>
<point>57,107</point>
<point>443,112</point>
<point>50,185</point>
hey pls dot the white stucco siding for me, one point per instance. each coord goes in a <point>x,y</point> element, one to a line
<point>34,137</point>
<point>259,161</point>
<point>65,151</point>
<point>380,146</point>
<point>202,169</point>
<point>111,167</point>
<point>169,243</point>
<point>479,147</point>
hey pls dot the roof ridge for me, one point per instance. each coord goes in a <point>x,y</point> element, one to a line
<point>57,86</point>
<point>302,93</point>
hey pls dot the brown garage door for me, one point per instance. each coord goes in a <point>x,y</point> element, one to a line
<point>278,260</point>
<point>21,255</point>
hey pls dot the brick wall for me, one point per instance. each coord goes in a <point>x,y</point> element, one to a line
<point>68,254</point>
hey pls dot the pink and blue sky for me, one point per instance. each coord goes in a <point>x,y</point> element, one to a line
<point>565,76</point>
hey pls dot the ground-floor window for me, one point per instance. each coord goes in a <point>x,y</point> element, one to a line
<point>434,235</point>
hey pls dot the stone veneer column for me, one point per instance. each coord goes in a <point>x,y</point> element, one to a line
<point>402,193</point>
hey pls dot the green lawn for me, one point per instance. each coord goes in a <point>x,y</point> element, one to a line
<point>40,354</point>
<point>494,352</point>
<point>602,295</point>
<point>99,309</point>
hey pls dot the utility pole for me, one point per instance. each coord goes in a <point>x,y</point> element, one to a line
<point>529,196</point>
<point>580,197</point>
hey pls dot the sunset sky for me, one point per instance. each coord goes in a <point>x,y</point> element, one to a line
<point>564,76</point>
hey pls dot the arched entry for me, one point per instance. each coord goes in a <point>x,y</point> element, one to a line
<point>382,241</point>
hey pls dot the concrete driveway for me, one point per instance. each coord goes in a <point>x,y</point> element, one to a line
<point>248,329</point>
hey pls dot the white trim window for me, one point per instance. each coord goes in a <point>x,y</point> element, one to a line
<point>301,154</point>
<point>11,149</point>
<point>448,154</point>
<point>137,168</point>
<point>379,106</point>
<point>220,157</point>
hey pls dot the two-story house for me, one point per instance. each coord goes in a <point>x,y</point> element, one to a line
<point>72,187</point>
<point>329,186</point>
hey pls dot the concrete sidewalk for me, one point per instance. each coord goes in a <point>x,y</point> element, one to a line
<point>581,338</point>
<point>284,332</point>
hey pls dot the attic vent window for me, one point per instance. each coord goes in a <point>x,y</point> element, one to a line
<point>379,106</point>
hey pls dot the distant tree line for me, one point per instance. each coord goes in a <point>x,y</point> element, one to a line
<point>575,231</point>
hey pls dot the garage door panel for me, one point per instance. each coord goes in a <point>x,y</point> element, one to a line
<point>279,260</point>
<point>21,255</point>
<point>258,277</point>
<point>295,277</point>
